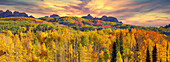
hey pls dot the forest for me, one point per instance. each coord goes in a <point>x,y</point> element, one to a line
<point>33,40</point>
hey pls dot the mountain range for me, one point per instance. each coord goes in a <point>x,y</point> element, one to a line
<point>84,23</point>
<point>104,18</point>
<point>8,13</point>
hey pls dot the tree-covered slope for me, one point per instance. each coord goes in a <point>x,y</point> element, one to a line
<point>23,39</point>
<point>24,24</point>
<point>82,24</point>
<point>104,45</point>
<point>21,19</point>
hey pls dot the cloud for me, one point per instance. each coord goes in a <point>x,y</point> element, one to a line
<point>136,12</point>
<point>18,2</point>
<point>12,3</point>
<point>149,19</point>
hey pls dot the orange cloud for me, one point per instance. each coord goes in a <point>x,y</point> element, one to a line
<point>129,11</point>
<point>149,19</point>
<point>107,4</point>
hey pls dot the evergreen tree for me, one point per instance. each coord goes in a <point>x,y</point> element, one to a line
<point>148,55</point>
<point>154,54</point>
<point>121,43</point>
<point>118,43</point>
<point>137,47</point>
<point>114,53</point>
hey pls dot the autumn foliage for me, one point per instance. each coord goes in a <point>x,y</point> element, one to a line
<point>93,46</point>
<point>21,19</point>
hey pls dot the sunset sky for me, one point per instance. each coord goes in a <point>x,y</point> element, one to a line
<point>135,12</point>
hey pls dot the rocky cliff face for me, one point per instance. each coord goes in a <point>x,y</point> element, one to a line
<point>112,19</point>
<point>54,15</point>
<point>8,13</point>
<point>88,17</point>
<point>31,16</point>
<point>1,11</point>
<point>104,18</point>
<point>17,14</point>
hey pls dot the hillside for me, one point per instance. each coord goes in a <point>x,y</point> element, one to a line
<point>84,30</point>
<point>21,19</point>
<point>82,24</point>
<point>73,39</point>
<point>103,45</point>
<point>24,24</point>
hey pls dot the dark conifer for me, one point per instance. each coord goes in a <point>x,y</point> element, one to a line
<point>148,55</point>
<point>114,53</point>
<point>121,43</point>
<point>154,54</point>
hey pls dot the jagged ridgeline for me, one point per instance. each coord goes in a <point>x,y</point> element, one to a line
<point>8,13</point>
<point>92,46</point>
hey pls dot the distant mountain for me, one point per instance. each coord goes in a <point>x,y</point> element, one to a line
<point>167,26</point>
<point>54,15</point>
<point>8,13</point>
<point>104,18</point>
<point>88,17</point>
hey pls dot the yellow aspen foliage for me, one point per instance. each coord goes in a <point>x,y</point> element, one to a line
<point>133,40</point>
<point>65,45</point>
<point>9,33</point>
<point>101,56</point>
<point>4,31</point>
<point>131,59</point>
<point>43,50</point>
<point>119,57</point>
<point>168,51</point>
<point>94,56</point>
<point>90,50</point>
<point>71,49</point>
<point>163,51</point>
<point>42,36</point>
<point>34,58</point>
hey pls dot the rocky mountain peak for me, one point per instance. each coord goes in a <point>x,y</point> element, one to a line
<point>8,13</point>
<point>104,18</point>
<point>88,17</point>
<point>31,16</point>
<point>54,15</point>
<point>1,11</point>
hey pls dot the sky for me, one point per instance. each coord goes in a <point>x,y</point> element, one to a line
<point>134,12</point>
